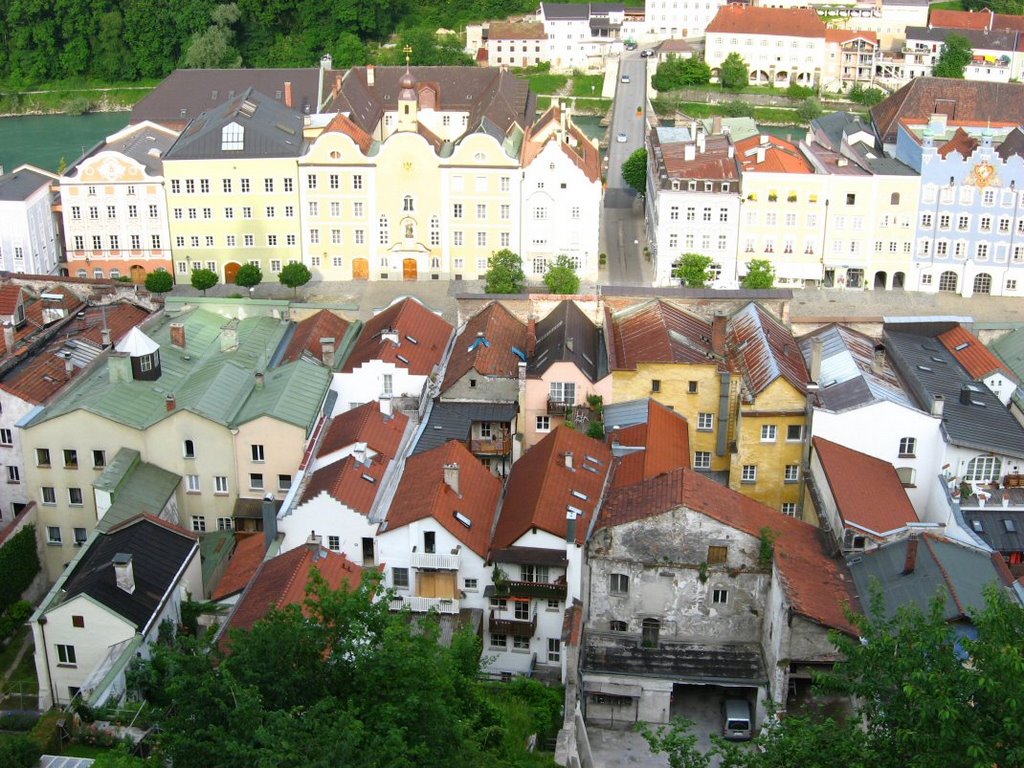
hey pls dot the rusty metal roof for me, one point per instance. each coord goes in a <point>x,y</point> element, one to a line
<point>764,349</point>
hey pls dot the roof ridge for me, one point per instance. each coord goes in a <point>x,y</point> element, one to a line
<point>945,575</point>
<point>294,575</point>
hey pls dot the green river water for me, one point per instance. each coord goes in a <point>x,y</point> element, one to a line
<point>43,140</point>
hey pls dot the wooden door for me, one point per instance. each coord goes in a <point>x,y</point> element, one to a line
<point>360,269</point>
<point>231,272</point>
<point>436,584</point>
<point>409,269</point>
<point>138,273</point>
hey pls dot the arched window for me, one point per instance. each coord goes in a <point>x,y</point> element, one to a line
<point>983,283</point>
<point>82,273</point>
<point>894,198</point>
<point>948,282</point>
<point>189,449</point>
<point>115,273</point>
<point>97,273</point>
<point>407,205</point>
<point>983,469</point>
<point>650,630</point>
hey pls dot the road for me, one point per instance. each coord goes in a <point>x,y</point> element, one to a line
<point>623,214</point>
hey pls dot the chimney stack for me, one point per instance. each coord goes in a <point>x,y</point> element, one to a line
<point>718,323</point>
<point>337,84</point>
<point>9,337</point>
<point>69,367</point>
<point>878,359</point>
<point>105,337</point>
<point>327,351</point>
<point>119,367</point>
<point>359,452</point>
<point>124,576</point>
<point>269,510</point>
<point>568,459</point>
<point>451,477</point>
<point>531,337</point>
<point>260,379</point>
<point>938,404</point>
<point>911,562</point>
<point>178,335</point>
<point>716,125</point>
<point>315,542</point>
<point>170,402</point>
<point>689,151</point>
<point>965,395</point>
<point>229,336</point>
<point>817,350</point>
<point>288,95</point>
<point>369,75</point>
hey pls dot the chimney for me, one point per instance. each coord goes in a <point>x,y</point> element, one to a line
<point>716,125</point>
<point>229,336</point>
<point>359,452</point>
<point>451,477</point>
<point>759,155</point>
<point>701,143</point>
<point>531,337</point>
<point>689,151</point>
<point>911,562</point>
<point>878,359</point>
<point>260,379</point>
<point>369,75</point>
<point>119,367</point>
<point>965,395</point>
<point>938,403</point>
<point>105,337</point>
<point>817,347</point>
<point>718,323</point>
<point>763,140</point>
<point>178,335</point>
<point>615,435</point>
<point>327,62</point>
<point>568,459</point>
<point>9,337</point>
<point>170,402</point>
<point>269,510</point>
<point>337,84</point>
<point>327,351</point>
<point>731,151</point>
<point>314,542</point>
<point>69,367</point>
<point>124,576</point>
<point>288,94</point>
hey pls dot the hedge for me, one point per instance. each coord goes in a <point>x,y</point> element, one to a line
<point>19,564</point>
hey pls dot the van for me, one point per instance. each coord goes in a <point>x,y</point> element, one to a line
<point>736,722</point>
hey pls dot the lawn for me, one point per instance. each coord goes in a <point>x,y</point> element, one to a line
<point>24,678</point>
<point>587,85</point>
<point>949,5</point>
<point>546,83</point>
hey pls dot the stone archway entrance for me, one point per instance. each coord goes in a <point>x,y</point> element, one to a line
<point>231,272</point>
<point>138,274</point>
<point>360,269</point>
<point>409,269</point>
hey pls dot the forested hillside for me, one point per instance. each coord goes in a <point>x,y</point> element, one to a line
<point>43,40</point>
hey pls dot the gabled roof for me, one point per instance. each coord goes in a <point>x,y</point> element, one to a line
<point>984,40</point>
<point>10,297</point>
<point>250,548</point>
<point>960,142</point>
<point>292,393</point>
<point>847,35</point>
<point>971,353</point>
<point>713,157</point>
<point>1012,145</point>
<point>657,332</point>
<point>779,155</point>
<point>23,182</point>
<point>43,318</point>
<point>764,350</point>
<point>502,30</point>
<point>543,492</point>
<point>308,333</point>
<point>868,493</point>
<point>572,142</point>
<point>980,19</point>
<point>751,20</point>
<point>492,343</point>
<point>342,124</point>
<point>664,443</point>
<point>422,338</point>
<point>817,586</point>
<point>453,420</point>
<point>568,335</point>
<point>364,424</point>
<point>146,143</point>
<point>423,494</point>
<point>159,551</point>
<point>1010,349</point>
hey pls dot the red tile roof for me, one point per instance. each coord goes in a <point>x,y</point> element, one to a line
<point>780,156</point>
<point>10,297</point>
<point>868,492</point>
<point>974,356</point>
<point>657,332</point>
<point>423,493</point>
<point>666,442</point>
<point>342,124</point>
<point>751,20</point>
<point>764,349</point>
<point>422,338</point>
<point>846,35</point>
<point>817,586</point>
<point>365,424</point>
<point>979,20</point>
<point>245,561</point>
<point>577,146</point>
<point>322,325</point>
<point>541,487</point>
<point>485,345</point>
<point>960,142</point>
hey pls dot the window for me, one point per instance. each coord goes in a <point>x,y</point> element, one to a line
<point>720,596</point>
<point>198,523</point>
<point>543,423</point>
<point>521,610</point>
<point>618,626</point>
<point>189,449</point>
<point>471,584</point>
<point>220,484</point>
<point>75,497</point>
<point>789,508</point>
<point>66,655</point>
<point>906,475</point>
<point>499,641</point>
<point>768,433</point>
<point>691,387</point>
<point>538,574</point>
<point>256,481</point>
<point>244,185</point>
<point>257,452</point>
<point>794,432</point>
<point>792,474</point>
<point>334,543</point>
<point>520,643</point>
<point>13,474</point>
<point>70,459</point>
<point>983,469</point>
<point>618,584</point>
<point>192,483</point>
<point>717,554</point>
<point>655,385</point>
<point>851,199</point>
<point>749,474</point>
<point>225,524</point>
<point>53,534</point>
<point>563,392</point>
<point>705,422</point>
<point>42,457</point>
<point>908,447</point>
<point>284,482</point>
<point>554,649</point>
<point>6,437</point>
<point>400,578</point>
<point>702,460</point>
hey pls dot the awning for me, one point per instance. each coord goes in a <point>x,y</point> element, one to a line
<point>612,689</point>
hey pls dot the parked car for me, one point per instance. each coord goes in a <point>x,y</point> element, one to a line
<point>736,720</point>
<point>621,138</point>
<point>630,45</point>
<point>624,79</point>
<point>646,53</point>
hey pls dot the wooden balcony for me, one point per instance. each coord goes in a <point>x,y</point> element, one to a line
<point>558,407</point>
<point>431,560</point>
<point>541,590</point>
<point>516,627</point>
<point>492,446</point>
<point>424,604</point>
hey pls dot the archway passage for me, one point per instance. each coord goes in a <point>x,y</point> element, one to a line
<point>409,269</point>
<point>898,279</point>
<point>880,280</point>
<point>138,274</point>
<point>360,269</point>
<point>231,272</point>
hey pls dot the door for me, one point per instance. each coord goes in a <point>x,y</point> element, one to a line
<point>367,550</point>
<point>409,269</point>
<point>360,269</point>
<point>436,584</point>
<point>231,272</point>
<point>138,273</point>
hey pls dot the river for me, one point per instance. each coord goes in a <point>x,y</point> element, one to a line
<point>43,140</point>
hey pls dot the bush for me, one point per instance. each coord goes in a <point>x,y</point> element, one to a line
<point>45,734</point>
<point>159,281</point>
<point>19,752</point>
<point>799,92</point>
<point>18,721</point>
<point>738,109</point>
<point>15,615</point>
<point>19,564</point>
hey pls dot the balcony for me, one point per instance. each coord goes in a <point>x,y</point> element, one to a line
<point>431,560</point>
<point>491,446</point>
<point>558,407</point>
<point>515,627</point>
<point>543,591</point>
<point>424,604</point>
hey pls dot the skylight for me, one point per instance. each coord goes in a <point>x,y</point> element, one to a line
<point>463,519</point>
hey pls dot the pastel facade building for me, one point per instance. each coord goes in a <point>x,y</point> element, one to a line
<point>516,44</point>
<point>678,18</point>
<point>581,35</point>
<point>29,237</point>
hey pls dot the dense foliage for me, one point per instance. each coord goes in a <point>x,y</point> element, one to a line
<point>956,54</point>
<point>248,276</point>
<point>19,564</point>
<point>760,274</point>
<point>634,171</point>
<point>159,281</point>
<point>561,277</point>
<point>1015,7</point>
<point>692,270</point>
<point>734,73</point>
<point>203,279</point>
<point>505,273</point>
<point>295,275</point>
<point>678,73</point>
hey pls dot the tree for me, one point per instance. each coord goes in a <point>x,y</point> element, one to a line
<point>159,281</point>
<point>809,109</point>
<point>692,269</point>
<point>634,171</point>
<point>203,279</point>
<point>678,73</point>
<point>505,273</point>
<point>760,274</point>
<point>561,277</point>
<point>733,74</point>
<point>956,54</point>
<point>248,276</point>
<point>214,47</point>
<point>295,275</point>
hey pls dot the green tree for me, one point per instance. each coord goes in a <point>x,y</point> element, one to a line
<point>505,273</point>
<point>295,275</point>
<point>203,279</point>
<point>214,48</point>
<point>248,276</point>
<point>159,281</point>
<point>956,54</point>
<point>18,751</point>
<point>677,742</point>
<point>561,277</point>
<point>809,109</point>
<point>760,274</point>
<point>634,171</point>
<point>733,74</point>
<point>349,51</point>
<point>109,59</point>
<point>428,49</point>
<point>692,269</point>
<point>677,73</point>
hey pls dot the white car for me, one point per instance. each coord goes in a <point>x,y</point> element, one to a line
<point>624,79</point>
<point>621,138</point>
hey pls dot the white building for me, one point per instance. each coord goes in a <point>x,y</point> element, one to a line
<point>581,36</point>
<point>679,18</point>
<point>29,241</point>
<point>888,19</point>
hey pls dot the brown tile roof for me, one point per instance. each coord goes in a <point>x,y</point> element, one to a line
<point>764,349</point>
<point>423,493</point>
<point>959,100</point>
<point>846,35</point>
<point>422,338</point>
<point>750,20</point>
<point>322,325</point>
<point>713,163</point>
<point>960,142</point>
<point>817,586</point>
<point>10,298</point>
<point>974,356</point>
<point>245,561</point>
<point>981,19</point>
<point>541,487</point>
<point>780,156</point>
<point>342,124</point>
<point>354,483</point>
<point>1013,144</point>
<point>282,581</point>
<point>485,345</point>
<point>501,30</point>
<point>365,424</point>
<point>666,441</point>
<point>657,332</point>
<point>868,492</point>
<point>578,148</point>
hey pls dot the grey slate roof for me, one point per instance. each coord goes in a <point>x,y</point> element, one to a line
<point>568,335</point>
<point>996,40</point>
<point>929,369</point>
<point>158,553</point>
<point>627,413</point>
<point>22,183</point>
<point>453,421</point>
<point>566,11</point>
<point>146,144</point>
<point>1001,529</point>
<point>270,130</point>
<point>835,131</point>
<point>689,662</point>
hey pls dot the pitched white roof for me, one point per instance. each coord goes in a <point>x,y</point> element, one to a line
<point>137,344</point>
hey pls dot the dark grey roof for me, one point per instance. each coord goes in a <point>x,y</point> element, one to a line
<point>963,571</point>
<point>530,555</point>
<point>685,662</point>
<point>627,413</point>
<point>22,183</point>
<point>158,553</point>
<point>145,144</point>
<point>1013,144</point>
<point>1001,529</point>
<point>839,132</point>
<point>568,335</point>
<point>565,11</point>
<point>269,130</point>
<point>929,369</point>
<point>993,41</point>
<point>453,421</point>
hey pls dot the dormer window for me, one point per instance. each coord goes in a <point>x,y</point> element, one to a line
<point>232,137</point>
<point>149,362</point>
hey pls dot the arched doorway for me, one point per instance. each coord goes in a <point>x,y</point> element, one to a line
<point>231,271</point>
<point>138,273</point>
<point>880,278</point>
<point>948,282</point>
<point>360,269</point>
<point>983,283</point>
<point>898,279</point>
<point>409,269</point>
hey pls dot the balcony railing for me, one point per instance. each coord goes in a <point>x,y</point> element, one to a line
<point>515,627</point>
<point>431,560</point>
<point>544,591</point>
<point>424,604</point>
<point>558,407</point>
<point>491,446</point>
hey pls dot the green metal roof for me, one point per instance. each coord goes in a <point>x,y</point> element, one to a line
<point>1010,349</point>
<point>292,393</point>
<point>215,550</point>
<point>138,488</point>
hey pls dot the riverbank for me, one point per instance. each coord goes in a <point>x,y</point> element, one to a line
<point>71,98</point>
